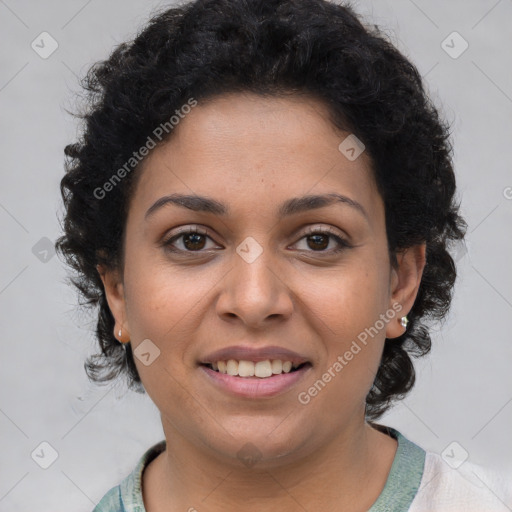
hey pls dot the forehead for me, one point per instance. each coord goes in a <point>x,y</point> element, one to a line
<point>250,147</point>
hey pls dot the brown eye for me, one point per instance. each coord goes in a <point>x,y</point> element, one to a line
<point>319,240</point>
<point>192,240</point>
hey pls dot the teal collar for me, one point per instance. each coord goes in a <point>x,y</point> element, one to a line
<point>399,491</point>
<point>404,477</point>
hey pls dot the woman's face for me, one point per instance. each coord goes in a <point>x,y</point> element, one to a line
<point>254,283</point>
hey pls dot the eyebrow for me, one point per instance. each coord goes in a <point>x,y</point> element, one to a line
<point>290,207</point>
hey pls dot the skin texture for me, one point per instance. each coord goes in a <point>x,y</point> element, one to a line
<point>252,153</point>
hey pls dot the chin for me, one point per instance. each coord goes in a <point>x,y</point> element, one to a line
<point>260,443</point>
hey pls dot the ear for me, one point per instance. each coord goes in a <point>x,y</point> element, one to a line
<point>114,291</point>
<point>404,284</point>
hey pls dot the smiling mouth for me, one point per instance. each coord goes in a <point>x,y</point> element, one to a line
<point>260,369</point>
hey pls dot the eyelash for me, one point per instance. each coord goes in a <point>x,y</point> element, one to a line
<point>342,243</point>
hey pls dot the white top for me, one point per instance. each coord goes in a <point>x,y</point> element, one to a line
<point>468,488</point>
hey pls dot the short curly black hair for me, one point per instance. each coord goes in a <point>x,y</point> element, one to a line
<point>270,47</point>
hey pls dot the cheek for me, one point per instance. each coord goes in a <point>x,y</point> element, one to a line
<point>159,295</point>
<point>351,308</point>
<point>353,298</point>
<point>166,305</point>
<point>160,305</point>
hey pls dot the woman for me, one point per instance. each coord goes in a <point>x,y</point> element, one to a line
<point>261,205</point>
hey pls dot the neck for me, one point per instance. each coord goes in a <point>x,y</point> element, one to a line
<point>350,471</point>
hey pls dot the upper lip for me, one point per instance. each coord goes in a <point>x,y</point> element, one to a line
<point>240,352</point>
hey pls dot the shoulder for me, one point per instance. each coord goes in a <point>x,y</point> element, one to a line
<point>111,502</point>
<point>469,487</point>
<point>127,496</point>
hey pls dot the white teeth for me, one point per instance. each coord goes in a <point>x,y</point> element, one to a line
<point>246,369</point>
<point>232,367</point>
<point>277,366</point>
<point>261,369</point>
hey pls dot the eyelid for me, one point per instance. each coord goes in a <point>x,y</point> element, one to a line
<point>191,228</point>
<point>311,230</point>
<point>185,230</point>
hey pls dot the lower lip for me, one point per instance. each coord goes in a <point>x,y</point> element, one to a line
<point>255,387</point>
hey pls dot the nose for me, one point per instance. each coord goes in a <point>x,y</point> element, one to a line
<point>255,292</point>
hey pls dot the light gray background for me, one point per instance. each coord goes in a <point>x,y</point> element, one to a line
<point>464,388</point>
